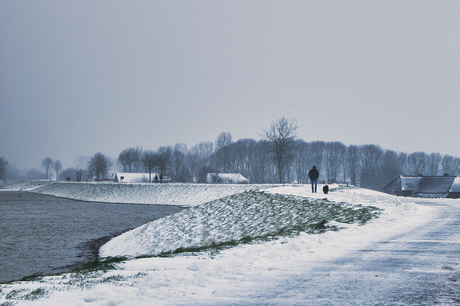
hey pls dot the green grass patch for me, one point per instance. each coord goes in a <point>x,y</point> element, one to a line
<point>104,264</point>
<point>255,216</point>
<point>14,294</point>
<point>24,294</point>
<point>35,294</point>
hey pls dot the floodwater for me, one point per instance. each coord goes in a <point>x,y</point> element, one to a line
<point>45,234</point>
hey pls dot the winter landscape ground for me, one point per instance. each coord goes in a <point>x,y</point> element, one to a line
<point>262,245</point>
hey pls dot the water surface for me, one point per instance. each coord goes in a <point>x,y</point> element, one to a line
<point>40,233</point>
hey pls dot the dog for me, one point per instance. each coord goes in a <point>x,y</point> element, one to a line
<point>326,189</point>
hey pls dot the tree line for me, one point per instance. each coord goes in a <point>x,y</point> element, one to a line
<point>279,157</point>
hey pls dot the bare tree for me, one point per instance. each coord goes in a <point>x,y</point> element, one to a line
<point>371,160</point>
<point>223,152</point>
<point>254,161</point>
<point>224,139</point>
<point>193,162</point>
<point>450,165</point>
<point>150,162</point>
<point>129,158</point>
<point>199,159</point>
<point>179,163</point>
<point>164,159</point>
<point>3,166</point>
<point>301,160</point>
<point>317,153</point>
<point>402,162</point>
<point>434,161</point>
<point>47,163</point>
<point>417,162</point>
<point>335,154</point>
<point>352,166</point>
<point>99,166</point>
<point>57,168</point>
<point>81,162</point>
<point>123,162</point>
<point>282,135</point>
<point>240,159</point>
<point>456,166</point>
<point>390,168</point>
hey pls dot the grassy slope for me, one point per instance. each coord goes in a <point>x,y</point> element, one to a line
<point>237,218</point>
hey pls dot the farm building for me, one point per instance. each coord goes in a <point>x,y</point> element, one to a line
<point>226,178</point>
<point>133,177</point>
<point>425,186</point>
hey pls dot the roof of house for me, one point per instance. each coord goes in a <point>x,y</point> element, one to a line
<point>133,177</point>
<point>425,185</point>
<point>434,185</point>
<point>455,185</point>
<point>228,177</point>
<point>403,183</point>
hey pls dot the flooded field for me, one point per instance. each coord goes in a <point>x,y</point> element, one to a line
<point>45,234</point>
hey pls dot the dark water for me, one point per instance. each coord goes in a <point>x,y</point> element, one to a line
<point>40,233</point>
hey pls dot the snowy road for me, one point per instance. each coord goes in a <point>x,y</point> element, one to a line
<point>419,267</point>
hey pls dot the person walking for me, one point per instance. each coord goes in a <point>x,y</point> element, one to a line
<point>313,174</point>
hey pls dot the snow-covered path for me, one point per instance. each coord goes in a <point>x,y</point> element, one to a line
<point>419,267</point>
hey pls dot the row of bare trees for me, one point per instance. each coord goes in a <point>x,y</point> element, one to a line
<point>49,164</point>
<point>278,157</point>
<point>281,157</point>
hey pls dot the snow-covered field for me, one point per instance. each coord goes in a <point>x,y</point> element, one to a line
<point>288,220</point>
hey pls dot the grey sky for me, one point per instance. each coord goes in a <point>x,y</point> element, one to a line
<point>86,76</point>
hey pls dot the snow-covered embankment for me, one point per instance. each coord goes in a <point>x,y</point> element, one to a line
<point>143,193</point>
<point>248,215</point>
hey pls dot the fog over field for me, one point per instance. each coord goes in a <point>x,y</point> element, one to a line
<point>85,77</point>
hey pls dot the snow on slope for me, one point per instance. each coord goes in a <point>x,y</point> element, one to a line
<point>242,216</point>
<point>25,185</point>
<point>144,193</point>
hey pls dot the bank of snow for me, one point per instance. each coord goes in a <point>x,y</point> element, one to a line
<point>144,193</point>
<point>239,275</point>
<point>24,185</point>
<point>248,215</point>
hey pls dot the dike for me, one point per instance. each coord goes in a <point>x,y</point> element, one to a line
<point>180,194</point>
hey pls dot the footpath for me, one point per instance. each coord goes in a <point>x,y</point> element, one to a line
<point>420,267</point>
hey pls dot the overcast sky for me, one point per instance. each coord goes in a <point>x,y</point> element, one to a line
<point>79,77</point>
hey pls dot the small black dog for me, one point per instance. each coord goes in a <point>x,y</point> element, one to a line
<point>326,189</point>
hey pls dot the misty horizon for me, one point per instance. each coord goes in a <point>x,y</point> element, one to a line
<point>82,162</point>
<point>85,77</point>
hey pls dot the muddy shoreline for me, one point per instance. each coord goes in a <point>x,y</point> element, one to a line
<point>89,252</point>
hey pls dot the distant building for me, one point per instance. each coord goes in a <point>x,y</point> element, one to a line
<point>425,186</point>
<point>226,178</point>
<point>133,177</point>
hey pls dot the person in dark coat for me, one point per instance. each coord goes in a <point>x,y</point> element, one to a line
<point>313,174</point>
